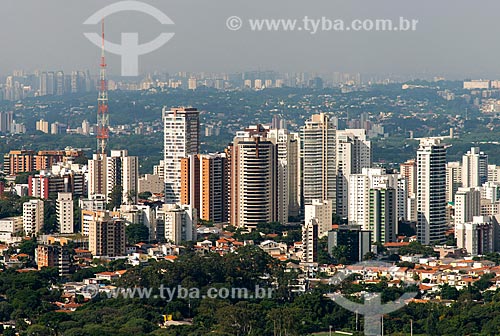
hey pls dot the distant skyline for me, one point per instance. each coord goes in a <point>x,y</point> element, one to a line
<point>456,39</point>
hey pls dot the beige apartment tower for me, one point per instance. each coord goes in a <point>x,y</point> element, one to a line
<point>107,236</point>
<point>253,185</point>
<point>319,176</point>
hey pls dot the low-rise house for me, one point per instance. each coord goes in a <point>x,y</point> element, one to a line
<point>273,248</point>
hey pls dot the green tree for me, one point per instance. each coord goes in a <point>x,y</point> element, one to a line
<point>145,195</point>
<point>77,215</point>
<point>323,256</point>
<point>131,196</point>
<point>137,233</point>
<point>115,197</point>
<point>5,310</point>
<point>242,318</point>
<point>449,292</point>
<point>484,282</point>
<point>369,256</point>
<point>49,217</point>
<point>28,246</point>
<point>22,178</point>
<point>339,253</point>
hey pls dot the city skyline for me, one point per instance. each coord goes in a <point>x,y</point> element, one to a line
<point>275,168</point>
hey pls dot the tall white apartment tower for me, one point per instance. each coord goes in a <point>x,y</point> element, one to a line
<point>32,217</point>
<point>97,186</point>
<point>474,168</point>
<point>467,205</point>
<point>353,154</point>
<point>319,175</point>
<point>122,171</point>
<point>321,212</point>
<point>431,191</point>
<point>453,179</point>
<point>310,241</point>
<point>477,236</point>
<point>179,222</point>
<point>359,193</point>
<point>181,139</point>
<point>493,173</point>
<point>64,211</point>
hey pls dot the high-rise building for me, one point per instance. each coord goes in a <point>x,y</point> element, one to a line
<point>177,222</point>
<point>85,127</point>
<point>474,168</point>
<point>253,181</point>
<point>453,179</point>
<point>190,181</point>
<point>431,192</point>
<point>64,211</point>
<point>92,209</point>
<point>321,212</point>
<point>192,84</point>
<point>42,126</point>
<point>467,205</point>
<point>159,170</point>
<point>78,82</point>
<point>493,173</point>
<point>97,184</point>
<point>288,172</point>
<point>383,220</point>
<point>6,120</point>
<point>214,198</point>
<point>181,139</point>
<point>53,256</point>
<point>46,185</point>
<point>490,191</point>
<point>204,185</point>
<point>310,241</point>
<point>477,235</point>
<point>359,193</point>
<point>60,83</point>
<point>122,171</point>
<point>50,82</point>
<point>107,236</point>
<point>152,183</point>
<point>26,161</point>
<point>46,159</point>
<point>353,239</point>
<point>409,171</point>
<point>402,198</point>
<point>353,154</point>
<point>319,177</point>
<point>57,128</point>
<point>33,217</point>
<point>19,161</point>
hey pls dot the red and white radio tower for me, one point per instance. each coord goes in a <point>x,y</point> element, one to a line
<point>102,106</point>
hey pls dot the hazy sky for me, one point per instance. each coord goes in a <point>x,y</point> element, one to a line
<point>455,38</point>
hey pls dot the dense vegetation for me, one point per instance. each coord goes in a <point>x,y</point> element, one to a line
<point>27,297</point>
